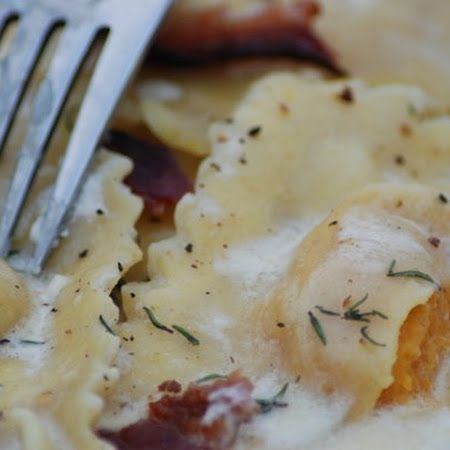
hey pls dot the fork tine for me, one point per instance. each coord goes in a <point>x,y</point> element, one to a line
<point>16,67</point>
<point>72,49</point>
<point>107,85</point>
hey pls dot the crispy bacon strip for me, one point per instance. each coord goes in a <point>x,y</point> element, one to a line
<point>204,417</point>
<point>156,176</point>
<point>211,35</point>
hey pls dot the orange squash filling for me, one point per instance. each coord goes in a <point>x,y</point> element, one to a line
<point>424,341</point>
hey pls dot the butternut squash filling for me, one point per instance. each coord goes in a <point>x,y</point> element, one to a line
<point>423,343</point>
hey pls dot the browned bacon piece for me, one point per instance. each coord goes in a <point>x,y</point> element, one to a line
<point>204,417</point>
<point>156,175</point>
<point>212,34</point>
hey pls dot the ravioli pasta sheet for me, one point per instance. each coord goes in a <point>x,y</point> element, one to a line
<point>314,251</point>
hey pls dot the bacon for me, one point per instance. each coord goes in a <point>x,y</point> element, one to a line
<point>204,417</point>
<point>213,34</point>
<point>156,176</point>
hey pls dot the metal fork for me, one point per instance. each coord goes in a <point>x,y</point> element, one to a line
<point>131,24</point>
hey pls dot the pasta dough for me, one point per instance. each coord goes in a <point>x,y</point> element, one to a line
<point>256,198</point>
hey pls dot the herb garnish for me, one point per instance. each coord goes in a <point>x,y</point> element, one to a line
<point>353,312</point>
<point>105,325</point>
<point>409,273</point>
<point>368,338</point>
<point>210,377</point>
<point>155,322</point>
<point>4,341</point>
<point>192,339</point>
<point>317,327</point>
<point>30,341</point>
<point>327,311</point>
<point>267,405</point>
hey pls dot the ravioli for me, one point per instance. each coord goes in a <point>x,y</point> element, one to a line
<point>56,356</point>
<point>353,300</point>
<point>257,197</point>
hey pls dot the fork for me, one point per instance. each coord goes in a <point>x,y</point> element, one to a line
<point>130,26</point>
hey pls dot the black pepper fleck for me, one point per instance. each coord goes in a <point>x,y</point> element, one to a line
<point>189,247</point>
<point>443,198</point>
<point>346,95</point>
<point>254,131</point>
<point>83,254</point>
<point>119,266</point>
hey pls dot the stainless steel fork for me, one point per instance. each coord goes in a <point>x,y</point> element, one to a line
<point>131,24</point>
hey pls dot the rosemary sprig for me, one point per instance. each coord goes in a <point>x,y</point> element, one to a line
<point>409,273</point>
<point>317,327</point>
<point>369,339</point>
<point>210,377</point>
<point>155,322</point>
<point>192,339</point>
<point>105,325</point>
<point>267,405</point>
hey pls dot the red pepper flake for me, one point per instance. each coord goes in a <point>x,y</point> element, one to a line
<point>184,421</point>
<point>434,241</point>
<point>222,139</point>
<point>405,130</point>
<point>346,301</point>
<point>284,109</point>
<point>170,386</point>
<point>346,95</point>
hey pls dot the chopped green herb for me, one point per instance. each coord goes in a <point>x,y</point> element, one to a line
<point>210,377</point>
<point>317,327</point>
<point>105,325</point>
<point>327,311</point>
<point>155,322</point>
<point>192,339</point>
<point>409,273</point>
<point>353,312</point>
<point>31,342</point>
<point>267,405</point>
<point>368,338</point>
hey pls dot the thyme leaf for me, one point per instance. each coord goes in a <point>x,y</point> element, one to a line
<point>327,311</point>
<point>210,377</point>
<point>31,342</point>
<point>192,339</point>
<point>409,273</point>
<point>317,327</point>
<point>369,339</point>
<point>105,325</point>
<point>155,322</point>
<point>267,405</point>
